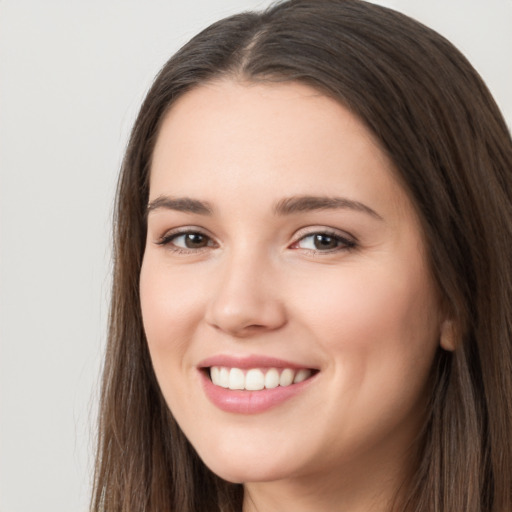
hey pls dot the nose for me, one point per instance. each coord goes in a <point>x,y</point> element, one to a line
<point>247,299</point>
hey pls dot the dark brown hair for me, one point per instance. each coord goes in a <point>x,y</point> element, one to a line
<point>452,151</point>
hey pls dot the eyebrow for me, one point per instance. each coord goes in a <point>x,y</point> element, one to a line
<point>180,204</point>
<point>286,206</point>
<point>298,204</point>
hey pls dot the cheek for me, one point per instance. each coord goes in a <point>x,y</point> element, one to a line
<point>380,328</point>
<point>170,308</point>
<point>374,302</point>
<point>379,332</point>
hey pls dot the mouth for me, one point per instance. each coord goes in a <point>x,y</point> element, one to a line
<point>257,379</point>
<point>253,384</point>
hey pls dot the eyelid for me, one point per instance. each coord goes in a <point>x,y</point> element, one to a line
<point>348,241</point>
<point>165,240</point>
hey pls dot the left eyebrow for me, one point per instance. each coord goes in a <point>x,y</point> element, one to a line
<point>180,204</point>
<point>297,204</point>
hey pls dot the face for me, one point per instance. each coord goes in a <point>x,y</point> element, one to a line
<point>290,314</point>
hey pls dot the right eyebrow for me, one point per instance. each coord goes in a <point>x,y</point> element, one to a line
<point>297,204</point>
<point>180,204</point>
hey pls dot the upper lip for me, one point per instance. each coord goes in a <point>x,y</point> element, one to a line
<point>251,361</point>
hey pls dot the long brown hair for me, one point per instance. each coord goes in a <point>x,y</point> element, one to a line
<point>452,152</point>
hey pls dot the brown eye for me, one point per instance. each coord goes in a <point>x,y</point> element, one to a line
<point>190,240</point>
<point>194,240</point>
<point>324,242</point>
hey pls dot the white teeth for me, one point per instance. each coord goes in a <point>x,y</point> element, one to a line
<point>236,379</point>
<point>272,379</point>
<point>286,377</point>
<point>301,375</point>
<point>215,374</point>
<point>256,379</point>
<point>223,378</point>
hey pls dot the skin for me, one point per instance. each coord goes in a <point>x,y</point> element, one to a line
<point>365,313</point>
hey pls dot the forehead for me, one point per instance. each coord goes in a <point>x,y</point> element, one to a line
<point>244,108</point>
<point>286,136</point>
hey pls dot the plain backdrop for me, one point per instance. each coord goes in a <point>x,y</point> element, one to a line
<point>72,75</point>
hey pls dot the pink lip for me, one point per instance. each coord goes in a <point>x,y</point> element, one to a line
<point>249,402</point>
<point>252,361</point>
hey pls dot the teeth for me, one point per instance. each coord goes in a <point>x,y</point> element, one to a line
<point>214,374</point>
<point>272,379</point>
<point>301,375</point>
<point>256,379</point>
<point>224,378</point>
<point>286,377</point>
<point>236,379</point>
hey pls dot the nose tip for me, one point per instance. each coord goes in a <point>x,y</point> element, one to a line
<point>245,305</point>
<point>244,320</point>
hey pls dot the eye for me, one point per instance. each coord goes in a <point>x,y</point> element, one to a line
<point>186,241</point>
<point>324,242</point>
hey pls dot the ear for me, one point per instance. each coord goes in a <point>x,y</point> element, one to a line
<point>447,337</point>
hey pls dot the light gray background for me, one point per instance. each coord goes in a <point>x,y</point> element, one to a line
<point>72,75</point>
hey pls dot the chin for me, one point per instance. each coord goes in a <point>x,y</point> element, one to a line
<point>247,469</point>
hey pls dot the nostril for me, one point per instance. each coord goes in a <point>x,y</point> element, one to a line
<point>243,309</point>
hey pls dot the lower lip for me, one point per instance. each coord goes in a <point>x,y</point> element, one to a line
<point>250,402</point>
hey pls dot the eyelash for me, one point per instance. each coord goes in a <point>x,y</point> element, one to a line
<point>167,240</point>
<point>343,243</point>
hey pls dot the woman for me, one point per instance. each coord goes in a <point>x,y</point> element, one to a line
<point>312,286</point>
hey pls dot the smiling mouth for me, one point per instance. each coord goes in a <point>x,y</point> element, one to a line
<point>257,379</point>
